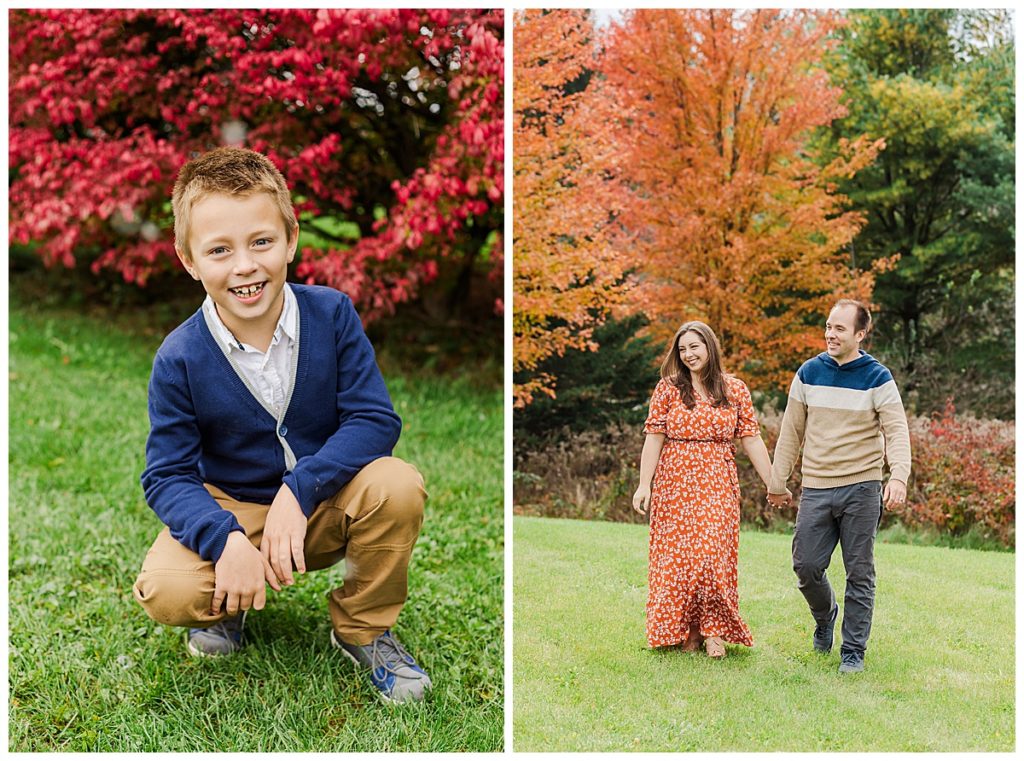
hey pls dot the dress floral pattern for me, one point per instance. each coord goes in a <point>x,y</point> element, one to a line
<point>695,517</point>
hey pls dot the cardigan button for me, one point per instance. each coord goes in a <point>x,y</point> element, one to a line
<point>283,430</point>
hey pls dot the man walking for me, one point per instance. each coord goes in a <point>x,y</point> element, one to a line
<point>845,411</point>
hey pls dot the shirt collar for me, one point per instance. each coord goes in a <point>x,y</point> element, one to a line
<point>287,324</point>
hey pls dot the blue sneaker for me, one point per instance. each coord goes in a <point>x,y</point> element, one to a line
<point>851,663</point>
<point>394,672</point>
<point>223,638</point>
<point>824,633</point>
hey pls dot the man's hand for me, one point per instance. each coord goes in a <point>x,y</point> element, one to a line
<point>642,499</point>
<point>284,535</point>
<point>780,500</point>
<point>242,574</point>
<point>895,493</point>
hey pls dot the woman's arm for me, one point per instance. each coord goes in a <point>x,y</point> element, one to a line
<point>648,463</point>
<point>758,454</point>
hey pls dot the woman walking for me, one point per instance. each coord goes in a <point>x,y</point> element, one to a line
<point>688,482</point>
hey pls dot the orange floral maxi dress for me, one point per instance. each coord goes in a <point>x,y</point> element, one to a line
<point>695,517</point>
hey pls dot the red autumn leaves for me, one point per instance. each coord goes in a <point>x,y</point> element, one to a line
<point>388,120</point>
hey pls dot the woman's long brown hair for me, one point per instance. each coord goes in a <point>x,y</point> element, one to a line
<point>675,372</point>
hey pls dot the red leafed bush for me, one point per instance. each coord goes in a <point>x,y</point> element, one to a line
<point>388,120</point>
<point>963,476</point>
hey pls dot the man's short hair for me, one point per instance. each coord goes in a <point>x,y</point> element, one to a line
<point>232,171</point>
<point>863,319</point>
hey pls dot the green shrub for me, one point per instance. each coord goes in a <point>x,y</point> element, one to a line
<point>595,388</point>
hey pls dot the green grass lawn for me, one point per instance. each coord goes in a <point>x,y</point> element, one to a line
<point>89,671</point>
<point>940,662</point>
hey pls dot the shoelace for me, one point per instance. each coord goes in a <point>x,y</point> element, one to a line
<point>229,628</point>
<point>384,645</point>
<point>850,658</point>
<point>819,630</point>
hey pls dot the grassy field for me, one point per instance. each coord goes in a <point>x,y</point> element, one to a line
<point>940,662</point>
<point>90,672</point>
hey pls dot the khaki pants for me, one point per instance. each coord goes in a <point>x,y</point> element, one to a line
<point>373,522</point>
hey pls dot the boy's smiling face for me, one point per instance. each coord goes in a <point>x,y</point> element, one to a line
<point>240,252</point>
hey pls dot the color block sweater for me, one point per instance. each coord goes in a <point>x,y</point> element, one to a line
<point>207,426</point>
<point>849,419</point>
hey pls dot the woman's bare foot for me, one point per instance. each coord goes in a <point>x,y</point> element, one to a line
<point>693,641</point>
<point>715,647</point>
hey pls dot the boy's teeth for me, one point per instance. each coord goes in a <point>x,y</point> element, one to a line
<point>250,290</point>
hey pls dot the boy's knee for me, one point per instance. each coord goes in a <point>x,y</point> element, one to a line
<point>175,599</point>
<point>399,489</point>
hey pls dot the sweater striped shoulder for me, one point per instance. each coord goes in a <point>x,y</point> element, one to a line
<point>862,374</point>
<point>863,384</point>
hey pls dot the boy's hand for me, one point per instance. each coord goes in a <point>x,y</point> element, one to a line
<point>284,535</point>
<point>242,574</point>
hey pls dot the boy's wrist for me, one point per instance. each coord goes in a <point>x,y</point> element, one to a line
<point>291,481</point>
<point>235,540</point>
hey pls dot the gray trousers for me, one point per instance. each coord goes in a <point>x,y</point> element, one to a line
<point>849,516</point>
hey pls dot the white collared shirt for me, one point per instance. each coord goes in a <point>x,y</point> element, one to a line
<point>267,372</point>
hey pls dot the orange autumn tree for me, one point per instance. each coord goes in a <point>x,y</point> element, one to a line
<point>566,275</point>
<point>731,218</point>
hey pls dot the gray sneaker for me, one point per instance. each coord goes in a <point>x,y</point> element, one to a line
<point>851,663</point>
<point>824,633</point>
<point>395,673</point>
<point>223,638</point>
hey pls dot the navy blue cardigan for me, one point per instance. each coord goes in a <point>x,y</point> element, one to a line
<point>207,427</point>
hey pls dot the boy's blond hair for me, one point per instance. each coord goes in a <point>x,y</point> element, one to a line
<point>233,171</point>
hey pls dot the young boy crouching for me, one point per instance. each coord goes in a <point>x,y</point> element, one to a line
<point>271,437</point>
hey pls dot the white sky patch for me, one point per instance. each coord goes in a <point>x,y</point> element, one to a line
<point>605,16</point>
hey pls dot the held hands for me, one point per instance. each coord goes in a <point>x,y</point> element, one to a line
<point>895,493</point>
<point>780,500</point>
<point>241,576</point>
<point>642,499</point>
<point>284,535</point>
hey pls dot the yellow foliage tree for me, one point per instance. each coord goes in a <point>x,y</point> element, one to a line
<point>730,219</point>
<point>566,274</point>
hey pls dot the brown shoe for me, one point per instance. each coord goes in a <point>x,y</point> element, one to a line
<point>715,647</point>
<point>693,641</point>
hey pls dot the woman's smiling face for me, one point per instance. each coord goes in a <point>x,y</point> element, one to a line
<point>693,352</point>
